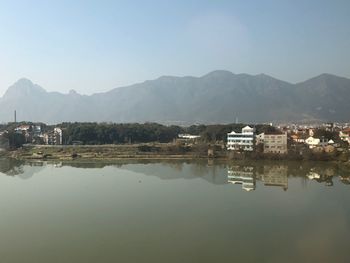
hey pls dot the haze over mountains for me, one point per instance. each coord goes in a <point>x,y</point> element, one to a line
<point>218,97</point>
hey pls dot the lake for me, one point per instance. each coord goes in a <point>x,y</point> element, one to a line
<point>174,211</point>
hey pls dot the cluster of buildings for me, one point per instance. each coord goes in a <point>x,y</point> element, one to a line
<point>248,140</point>
<point>277,142</point>
<point>34,134</point>
<point>307,136</point>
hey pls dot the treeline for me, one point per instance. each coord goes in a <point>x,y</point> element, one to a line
<point>105,133</point>
<point>117,133</point>
<point>111,133</point>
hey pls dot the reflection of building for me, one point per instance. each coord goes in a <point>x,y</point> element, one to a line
<point>276,175</point>
<point>242,175</point>
<point>313,175</point>
<point>324,175</point>
<point>344,179</point>
<point>241,141</point>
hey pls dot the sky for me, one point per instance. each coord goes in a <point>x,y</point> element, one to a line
<point>94,46</point>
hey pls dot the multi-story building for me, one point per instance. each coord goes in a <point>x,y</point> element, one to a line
<point>54,137</point>
<point>241,141</point>
<point>345,135</point>
<point>275,143</point>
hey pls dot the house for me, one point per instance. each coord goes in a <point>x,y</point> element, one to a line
<point>259,138</point>
<point>241,141</point>
<point>312,142</point>
<point>297,138</point>
<point>315,142</point>
<point>188,136</point>
<point>345,135</point>
<point>23,128</point>
<point>53,137</point>
<point>275,143</point>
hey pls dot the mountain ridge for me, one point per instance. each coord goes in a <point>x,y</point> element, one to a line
<point>217,97</point>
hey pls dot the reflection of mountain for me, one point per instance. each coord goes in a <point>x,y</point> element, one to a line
<point>31,169</point>
<point>13,167</point>
<point>246,174</point>
<point>175,170</point>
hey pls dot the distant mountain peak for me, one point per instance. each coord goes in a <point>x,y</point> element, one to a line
<point>217,97</point>
<point>23,81</point>
<point>23,87</point>
<point>219,73</point>
<point>73,92</point>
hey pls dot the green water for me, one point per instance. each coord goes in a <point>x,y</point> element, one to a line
<point>174,212</point>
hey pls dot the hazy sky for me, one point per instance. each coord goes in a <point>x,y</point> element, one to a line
<point>94,46</point>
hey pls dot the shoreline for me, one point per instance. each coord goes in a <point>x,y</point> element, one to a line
<point>150,151</point>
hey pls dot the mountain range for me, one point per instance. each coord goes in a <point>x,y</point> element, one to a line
<point>217,97</point>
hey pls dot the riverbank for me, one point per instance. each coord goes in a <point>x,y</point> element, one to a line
<point>110,152</point>
<point>156,151</point>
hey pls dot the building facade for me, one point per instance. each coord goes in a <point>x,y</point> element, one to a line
<point>53,137</point>
<point>275,143</point>
<point>241,141</point>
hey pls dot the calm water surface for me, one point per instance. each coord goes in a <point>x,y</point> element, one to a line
<point>174,212</point>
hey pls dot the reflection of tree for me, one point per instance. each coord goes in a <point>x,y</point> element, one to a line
<point>22,169</point>
<point>345,179</point>
<point>270,173</point>
<point>324,175</point>
<point>11,166</point>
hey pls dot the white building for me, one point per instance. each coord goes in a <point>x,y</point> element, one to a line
<point>241,141</point>
<point>188,136</point>
<point>312,142</point>
<point>53,137</point>
<point>345,135</point>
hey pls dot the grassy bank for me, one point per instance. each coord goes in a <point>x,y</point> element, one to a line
<point>110,152</point>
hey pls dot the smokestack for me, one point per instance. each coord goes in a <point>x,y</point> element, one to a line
<point>15,117</point>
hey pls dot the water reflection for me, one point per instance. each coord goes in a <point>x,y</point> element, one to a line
<point>250,175</point>
<point>20,169</point>
<point>243,175</point>
<point>276,175</point>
